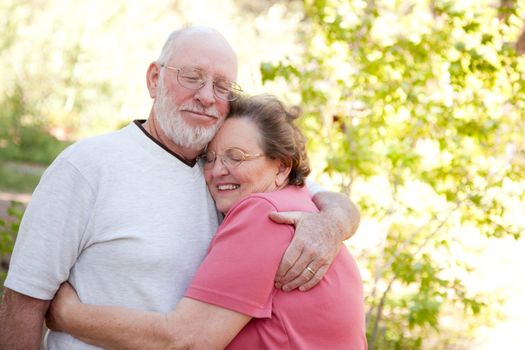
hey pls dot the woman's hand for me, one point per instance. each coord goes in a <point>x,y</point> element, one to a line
<point>62,308</point>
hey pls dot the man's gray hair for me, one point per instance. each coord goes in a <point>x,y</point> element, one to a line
<point>169,46</point>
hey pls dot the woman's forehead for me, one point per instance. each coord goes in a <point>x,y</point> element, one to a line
<point>237,132</point>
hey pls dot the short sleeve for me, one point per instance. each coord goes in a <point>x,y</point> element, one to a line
<point>239,271</point>
<point>313,187</point>
<point>50,236</point>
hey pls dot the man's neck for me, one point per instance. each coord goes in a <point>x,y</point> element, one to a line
<point>151,126</point>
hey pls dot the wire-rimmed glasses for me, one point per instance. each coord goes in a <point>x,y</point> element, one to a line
<point>231,158</point>
<point>195,78</point>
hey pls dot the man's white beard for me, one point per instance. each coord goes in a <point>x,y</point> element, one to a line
<point>176,129</point>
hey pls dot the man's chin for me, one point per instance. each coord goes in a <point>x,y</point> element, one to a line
<point>193,144</point>
<point>188,136</point>
<point>199,121</point>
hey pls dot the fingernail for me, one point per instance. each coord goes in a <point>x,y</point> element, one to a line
<point>278,285</point>
<point>301,288</point>
<point>287,289</point>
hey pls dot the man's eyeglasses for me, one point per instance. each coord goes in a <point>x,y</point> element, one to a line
<point>195,79</point>
<point>231,158</point>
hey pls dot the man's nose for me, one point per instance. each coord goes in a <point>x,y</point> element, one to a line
<point>205,94</point>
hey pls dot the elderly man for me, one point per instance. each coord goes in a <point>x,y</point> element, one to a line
<point>126,217</point>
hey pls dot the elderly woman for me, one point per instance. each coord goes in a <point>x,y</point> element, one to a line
<point>256,164</point>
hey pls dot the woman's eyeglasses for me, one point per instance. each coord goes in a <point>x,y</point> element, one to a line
<point>231,158</point>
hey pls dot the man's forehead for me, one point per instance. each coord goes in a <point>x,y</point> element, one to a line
<point>202,51</point>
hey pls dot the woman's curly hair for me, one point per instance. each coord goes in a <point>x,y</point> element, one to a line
<point>280,137</point>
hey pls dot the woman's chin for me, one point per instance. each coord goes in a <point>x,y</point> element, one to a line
<point>223,208</point>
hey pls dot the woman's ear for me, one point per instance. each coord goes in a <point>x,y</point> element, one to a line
<point>281,178</point>
<point>152,79</point>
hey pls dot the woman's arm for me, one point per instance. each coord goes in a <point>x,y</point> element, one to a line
<point>317,240</point>
<point>192,325</point>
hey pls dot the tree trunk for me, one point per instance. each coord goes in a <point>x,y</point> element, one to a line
<point>520,44</point>
<point>505,9</point>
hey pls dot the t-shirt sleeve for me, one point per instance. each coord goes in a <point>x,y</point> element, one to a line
<point>50,236</point>
<point>313,187</point>
<point>239,271</point>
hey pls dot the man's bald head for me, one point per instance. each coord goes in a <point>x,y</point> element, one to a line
<point>197,33</point>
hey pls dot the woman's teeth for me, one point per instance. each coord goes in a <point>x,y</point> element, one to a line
<point>227,187</point>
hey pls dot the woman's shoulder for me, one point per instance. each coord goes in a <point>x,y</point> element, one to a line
<point>290,198</point>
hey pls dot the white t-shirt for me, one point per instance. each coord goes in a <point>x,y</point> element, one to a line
<point>122,219</point>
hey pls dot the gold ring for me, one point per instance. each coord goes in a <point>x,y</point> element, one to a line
<point>309,269</point>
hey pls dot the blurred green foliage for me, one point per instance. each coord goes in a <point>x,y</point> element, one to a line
<point>14,180</point>
<point>21,137</point>
<point>416,108</point>
<point>8,230</point>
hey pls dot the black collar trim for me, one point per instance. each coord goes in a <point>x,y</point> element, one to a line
<point>139,123</point>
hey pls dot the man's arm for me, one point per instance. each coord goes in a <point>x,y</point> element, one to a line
<point>21,320</point>
<point>317,240</point>
<point>342,212</point>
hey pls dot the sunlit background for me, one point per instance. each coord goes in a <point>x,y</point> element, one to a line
<point>414,108</point>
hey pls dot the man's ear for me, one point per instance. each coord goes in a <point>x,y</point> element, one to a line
<point>152,79</point>
<point>282,174</point>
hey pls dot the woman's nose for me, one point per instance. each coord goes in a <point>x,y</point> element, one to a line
<point>219,169</point>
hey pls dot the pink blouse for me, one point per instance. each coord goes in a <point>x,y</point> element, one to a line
<point>238,274</point>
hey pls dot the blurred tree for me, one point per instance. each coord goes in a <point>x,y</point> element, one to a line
<point>71,63</point>
<point>417,107</point>
<point>256,7</point>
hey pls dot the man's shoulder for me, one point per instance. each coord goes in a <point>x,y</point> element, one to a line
<point>100,151</point>
<point>98,144</point>
<point>114,136</point>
